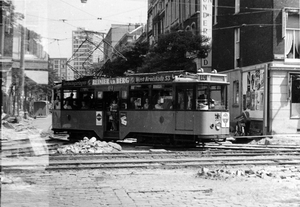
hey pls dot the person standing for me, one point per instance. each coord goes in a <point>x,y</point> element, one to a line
<point>114,115</point>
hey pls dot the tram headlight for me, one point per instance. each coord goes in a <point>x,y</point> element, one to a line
<point>218,126</point>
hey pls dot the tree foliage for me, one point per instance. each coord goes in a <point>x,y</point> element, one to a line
<point>173,51</point>
<point>170,52</point>
<point>132,58</point>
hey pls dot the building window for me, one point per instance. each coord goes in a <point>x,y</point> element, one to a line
<point>237,48</point>
<point>236,92</point>
<point>215,12</point>
<point>237,6</point>
<point>292,34</point>
<point>294,95</point>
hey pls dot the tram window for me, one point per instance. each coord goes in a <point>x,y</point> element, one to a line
<point>162,96</point>
<point>99,100</point>
<point>57,100</point>
<point>138,96</point>
<point>184,99</point>
<point>218,94</point>
<point>203,97</point>
<point>86,100</point>
<point>70,99</point>
<point>211,97</point>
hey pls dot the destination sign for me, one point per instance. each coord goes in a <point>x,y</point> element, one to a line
<point>154,78</point>
<point>202,77</point>
<point>135,79</point>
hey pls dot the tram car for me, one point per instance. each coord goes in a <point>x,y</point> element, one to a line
<point>162,107</point>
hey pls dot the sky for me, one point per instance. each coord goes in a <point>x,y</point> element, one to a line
<point>55,20</point>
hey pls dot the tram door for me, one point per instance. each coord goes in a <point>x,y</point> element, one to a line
<point>111,111</point>
<point>184,103</point>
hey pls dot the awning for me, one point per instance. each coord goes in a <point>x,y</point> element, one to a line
<point>40,77</point>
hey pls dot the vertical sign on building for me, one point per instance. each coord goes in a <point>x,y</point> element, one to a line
<point>206,29</point>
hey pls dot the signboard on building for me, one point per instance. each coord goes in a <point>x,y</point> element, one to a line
<point>206,28</point>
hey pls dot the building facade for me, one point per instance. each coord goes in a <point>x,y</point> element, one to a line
<point>257,43</point>
<point>112,38</point>
<point>130,37</point>
<point>172,15</point>
<point>22,57</point>
<point>87,49</point>
<point>61,69</point>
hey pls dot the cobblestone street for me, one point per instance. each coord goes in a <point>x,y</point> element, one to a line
<point>145,187</point>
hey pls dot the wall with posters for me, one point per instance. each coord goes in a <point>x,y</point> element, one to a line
<point>253,92</point>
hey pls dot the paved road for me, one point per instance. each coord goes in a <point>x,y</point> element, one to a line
<point>43,123</point>
<point>145,187</point>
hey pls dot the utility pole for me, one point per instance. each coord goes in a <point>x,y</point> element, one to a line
<point>21,74</point>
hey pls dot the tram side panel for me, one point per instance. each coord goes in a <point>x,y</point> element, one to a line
<point>203,124</point>
<point>78,122</point>
<point>56,120</point>
<point>151,122</point>
<point>211,124</point>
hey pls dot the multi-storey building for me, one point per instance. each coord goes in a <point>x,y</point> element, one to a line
<point>87,48</point>
<point>259,41</point>
<point>62,70</point>
<point>129,37</point>
<point>115,33</point>
<point>22,55</point>
<point>255,42</point>
<point>190,15</point>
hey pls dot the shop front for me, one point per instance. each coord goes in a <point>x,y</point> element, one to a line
<point>270,93</point>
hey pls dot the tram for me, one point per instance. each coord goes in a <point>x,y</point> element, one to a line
<point>163,107</point>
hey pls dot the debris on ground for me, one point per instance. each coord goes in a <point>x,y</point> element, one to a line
<point>90,146</point>
<point>20,137</point>
<point>286,172</point>
<point>14,127</point>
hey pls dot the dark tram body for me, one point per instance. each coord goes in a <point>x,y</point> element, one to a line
<point>165,107</point>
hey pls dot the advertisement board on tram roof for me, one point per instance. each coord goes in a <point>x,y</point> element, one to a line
<point>133,79</point>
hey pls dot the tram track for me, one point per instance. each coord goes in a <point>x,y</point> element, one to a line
<point>172,159</point>
<point>152,157</point>
<point>175,162</point>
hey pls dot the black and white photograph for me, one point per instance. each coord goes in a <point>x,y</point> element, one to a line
<point>150,103</point>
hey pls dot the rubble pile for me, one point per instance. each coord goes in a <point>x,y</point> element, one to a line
<point>20,138</point>
<point>16,128</point>
<point>280,173</point>
<point>283,140</point>
<point>90,146</point>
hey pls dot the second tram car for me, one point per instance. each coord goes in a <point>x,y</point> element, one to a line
<point>162,107</point>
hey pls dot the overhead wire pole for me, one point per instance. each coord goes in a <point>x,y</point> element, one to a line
<point>22,71</point>
<point>20,74</point>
